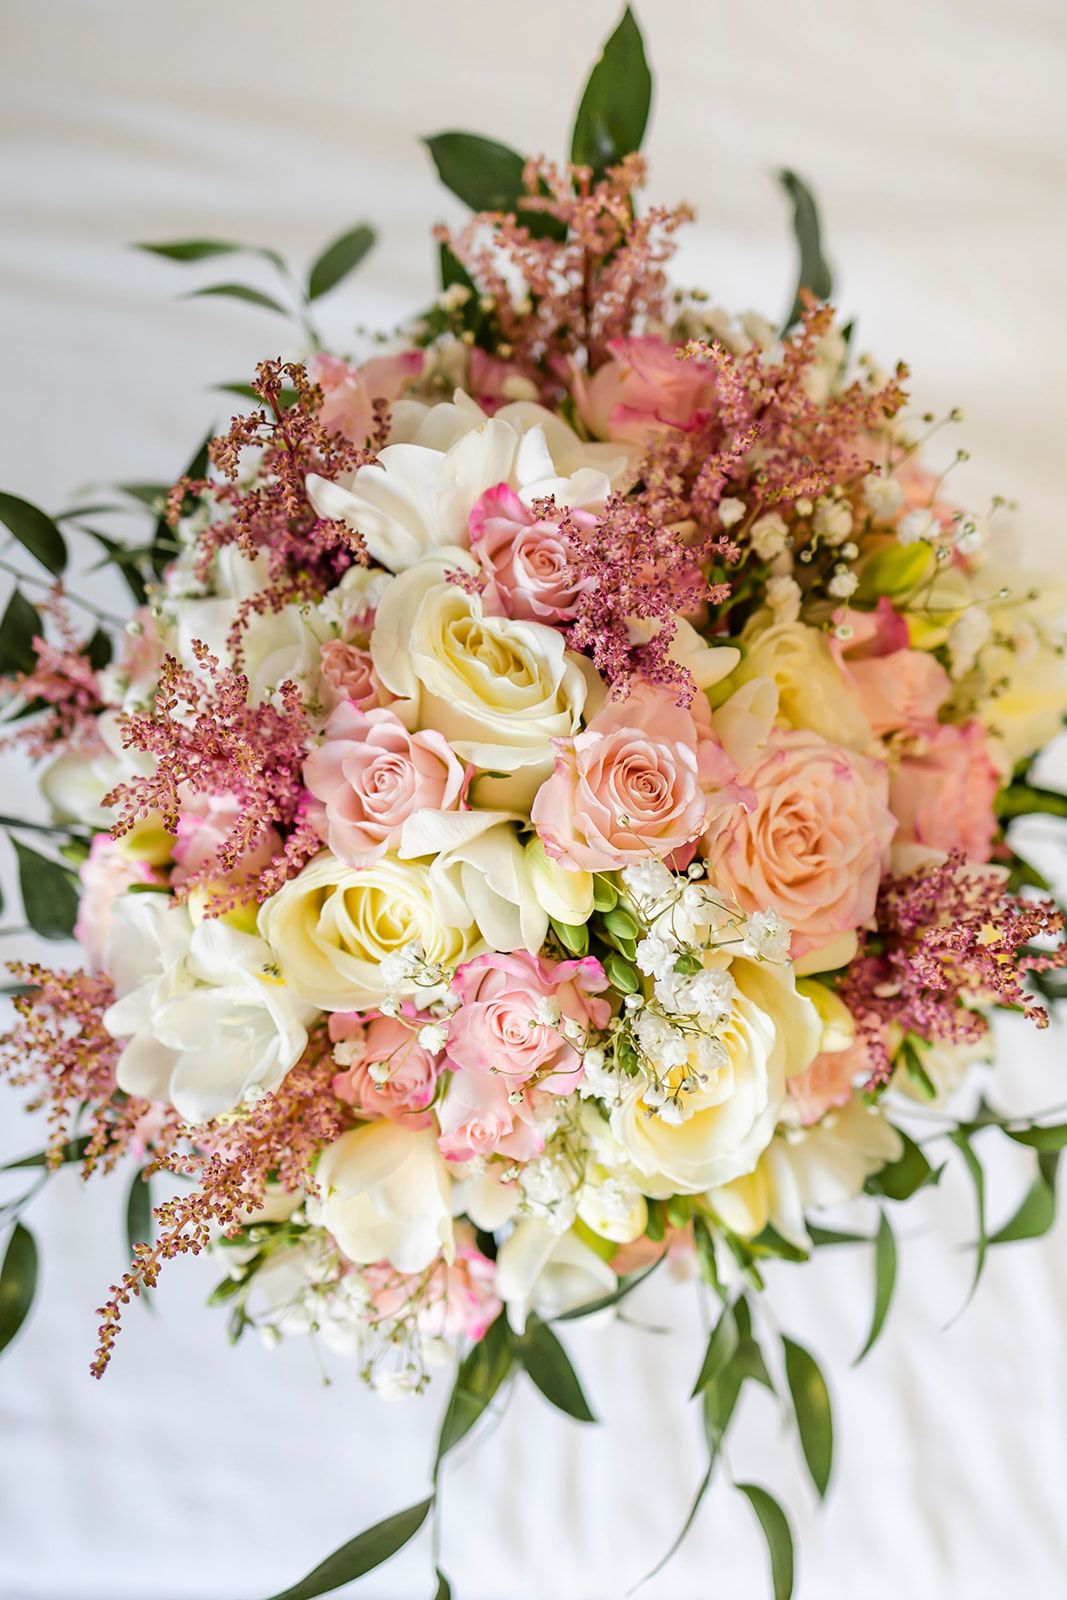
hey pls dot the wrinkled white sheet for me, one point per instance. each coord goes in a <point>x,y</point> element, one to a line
<point>935,135</point>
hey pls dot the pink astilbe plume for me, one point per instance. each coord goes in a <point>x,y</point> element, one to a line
<point>61,694</point>
<point>208,740</point>
<point>948,937</point>
<point>272,516</point>
<point>231,1162</point>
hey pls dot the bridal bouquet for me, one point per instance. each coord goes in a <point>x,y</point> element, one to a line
<point>544,818</point>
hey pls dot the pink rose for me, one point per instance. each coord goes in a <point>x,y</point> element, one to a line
<point>898,688</point>
<point>634,784</point>
<point>483,1114</point>
<point>644,389</point>
<point>348,674</point>
<point>510,1023</point>
<point>452,1301</point>
<point>494,382</point>
<point>408,1089</point>
<point>350,392</point>
<point>105,874</point>
<point>370,775</point>
<point>527,561</point>
<point>943,790</point>
<point>814,844</point>
<point>205,822</point>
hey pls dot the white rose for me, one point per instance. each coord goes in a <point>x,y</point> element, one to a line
<point>331,926</point>
<point>499,690</point>
<point>386,1196</point>
<point>76,782</point>
<point>275,646</point>
<point>208,1018</point>
<point>541,1271</point>
<point>820,1166</point>
<point>772,1033</point>
<point>418,494</point>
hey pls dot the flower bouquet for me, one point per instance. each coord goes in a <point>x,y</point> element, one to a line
<point>544,821</point>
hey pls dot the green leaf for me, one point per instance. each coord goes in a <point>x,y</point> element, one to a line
<point>811,1402</point>
<point>49,897</point>
<point>19,626</point>
<point>126,561</point>
<point>573,936</point>
<point>885,1277</point>
<point>35,532</point>
<point>702,1488</point>
<point>98,650</point>
<point>813,271</point>
<point>1025,799</point>
<point>974,1167</point>
<point>72,1151</point>
<point>903,1177</point>
<point>1053,1137</point>
<point>480,1375</point>
<point>191,249</point>
<point>549,1367</point>
<point>626,1285</point>
<point>240,291</point>
<point>18,1283</point>
<point>339,259</point>
<point>451,270</point>
<point>776,1531</point>
<point>485,175</point>
<point>139,1226</point>
<point>362,1554</point>
<point>286,396</point>
<point>622,974</point>
<point>605,894</point>
<point>613,112</point>
<point>444,1588</point>
<point>821,1237</point>
<point>1037,1212</point>
<point>722,1344</point>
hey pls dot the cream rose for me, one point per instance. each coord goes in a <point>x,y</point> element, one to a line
<point>813,691</point>
<point>772,1033</point>
<point>386,1196</point>
<point>332,926</point>
<point>497,689</point>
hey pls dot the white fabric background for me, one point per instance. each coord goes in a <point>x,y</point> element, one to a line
<point>935,136</point>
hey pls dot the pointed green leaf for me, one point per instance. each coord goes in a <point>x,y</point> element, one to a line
<point>18,1283</point>
<point>549,1367</point>
<point>626,1285</point>
<point>339,259</point>
<point>974,1167</point>
<point>777,1533</point>
<point>485,175</point>
<point>822,1237</point>
<point>139,1225</point>
<point>73,1151</point>
<point>444,1588</point>
<point>722,1344</point>
<point>35,532</point>
<point>813,272</point>
<point>183,250</point>
<point>451,270</point>
<point>811,1402</point>
<point>361,1554</point>
<point>240,291</point>
<point>49,897</point>
<point>481,1372</point>
<point>98,650</point>
<point>1048,1138</point>
<point>20,626</point>
<point>1037,1212</point>
<point>885,1277</point>
<point>613,112</point>
<point>702,1488</point>
<point>903,1177</point>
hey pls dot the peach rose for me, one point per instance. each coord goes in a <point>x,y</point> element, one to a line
<point>828,1081</point>
<point>408,1087</point>
<point>943,790</point>
<point>347,673</point>
<point>370,776</point>
<point>350,392</point>
<point>898,688</point>
<point>526,560</point>
<point>644,389</point>
<point>814,844</point>
<point>635,784</point>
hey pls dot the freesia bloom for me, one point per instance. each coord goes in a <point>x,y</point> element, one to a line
<point>943,789</point>
<point>813,691</point>
<point>814,844</point>
<point>541,1271</point>
<point>371,775</point>
<point>772,1032</point>
<point>643,389</point>
<point>386,1196</point>
<point>527,560</point>
<point>332,926</point>
<point>454,1300</point>
<point>349,392</point>
<point>635,783</point>
<point>105,874</point>
<point>403,1086</point>
<point>513,1015</point>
